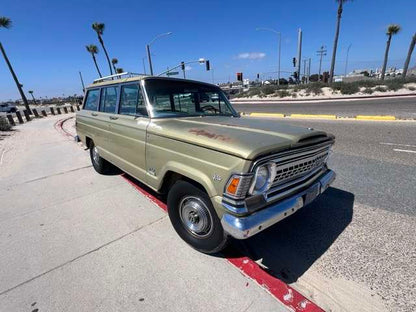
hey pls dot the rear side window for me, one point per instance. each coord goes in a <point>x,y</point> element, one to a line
<point>108,100</point>
<point>131,102</point>
<point>91,101</point>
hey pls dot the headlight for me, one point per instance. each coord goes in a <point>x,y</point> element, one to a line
<point>263,178</point>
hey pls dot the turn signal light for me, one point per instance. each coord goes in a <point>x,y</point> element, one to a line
<point>233,185</point>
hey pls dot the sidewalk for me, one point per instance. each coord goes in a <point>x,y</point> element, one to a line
<point>73,240</point>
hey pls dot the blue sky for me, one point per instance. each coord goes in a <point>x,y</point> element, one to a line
<point>46,44</point>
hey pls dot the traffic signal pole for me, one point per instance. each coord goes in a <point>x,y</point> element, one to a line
<point>299,52</point>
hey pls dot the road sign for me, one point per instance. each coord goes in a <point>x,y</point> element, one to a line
<point>172,73</point>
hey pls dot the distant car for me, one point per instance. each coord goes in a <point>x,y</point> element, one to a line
<point>8,108</point>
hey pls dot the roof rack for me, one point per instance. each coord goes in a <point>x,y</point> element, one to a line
<point>111,77</point>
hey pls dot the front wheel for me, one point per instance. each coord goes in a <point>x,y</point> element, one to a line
<point>100,164</point>
<point>194,218</point>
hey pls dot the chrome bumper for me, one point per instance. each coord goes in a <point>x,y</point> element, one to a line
<point>244,227</point>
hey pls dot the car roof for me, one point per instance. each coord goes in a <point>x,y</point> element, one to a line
<point>142,77</point>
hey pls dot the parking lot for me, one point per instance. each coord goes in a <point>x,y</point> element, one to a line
<point>73,240</point>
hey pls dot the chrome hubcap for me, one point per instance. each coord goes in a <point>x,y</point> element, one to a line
<point>95,155</point>
<point>195,216</point>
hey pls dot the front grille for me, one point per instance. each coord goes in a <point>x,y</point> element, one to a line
<point>293,169</point>
<point>296,169</point>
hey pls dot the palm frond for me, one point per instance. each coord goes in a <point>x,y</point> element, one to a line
<point>393,29</point>
<point>114,61</point>
<point>92,48</point>
<point>98,27</point>
<point>5,22</point>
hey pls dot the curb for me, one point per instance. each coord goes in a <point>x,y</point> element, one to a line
<point>329,117</point>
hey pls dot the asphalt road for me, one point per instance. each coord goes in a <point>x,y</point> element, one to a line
<point>404,107</point>
<point>362,229</point>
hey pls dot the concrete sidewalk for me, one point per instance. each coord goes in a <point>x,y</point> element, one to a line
<point>73,240</point>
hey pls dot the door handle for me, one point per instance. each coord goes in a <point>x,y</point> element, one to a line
<point>113,118</point>
<point>94,114</point>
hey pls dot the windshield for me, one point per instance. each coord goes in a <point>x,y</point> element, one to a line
<point>171,98</point>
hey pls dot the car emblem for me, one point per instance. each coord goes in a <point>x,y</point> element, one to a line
<point>216,177</point>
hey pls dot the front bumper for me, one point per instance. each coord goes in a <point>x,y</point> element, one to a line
<point>244,227</point>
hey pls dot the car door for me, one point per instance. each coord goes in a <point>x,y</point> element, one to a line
<point>88,123</point>
<point>128,131</point>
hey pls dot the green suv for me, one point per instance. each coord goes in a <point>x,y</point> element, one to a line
<point>224,175</point>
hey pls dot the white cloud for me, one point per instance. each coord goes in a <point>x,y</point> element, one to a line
<point>251,55</point>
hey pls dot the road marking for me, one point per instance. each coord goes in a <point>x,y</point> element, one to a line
<point>374,117</point>
<point>406,145</point>
<point>404,151</point>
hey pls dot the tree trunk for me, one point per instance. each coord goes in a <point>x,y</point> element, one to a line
<point>96,65</point>
<point>409,55</point>
<point>386,56</point>
<point>334,51</point>
<point>105,52</point>
<point>19,86</point>
<point>115,69</point>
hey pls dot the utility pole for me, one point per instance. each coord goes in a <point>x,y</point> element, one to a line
<point>321,54</point>
<point>309,69</point>
<point>346,61</point>
<point>82,81</point>
<point>299,51</point>
<point>304,69</point>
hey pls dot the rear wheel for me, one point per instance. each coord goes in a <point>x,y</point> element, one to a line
<point>194,218</point>
<point>100,164</point>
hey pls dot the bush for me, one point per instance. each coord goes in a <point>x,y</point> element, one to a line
<point>4,124</point>
<point>411,88</point>
<point>267,90</point>
<point>394,85</point>
<point>346,87</point>
<point>380,89</point>
<point>283,93</point>
<point>315,88</point>
<point>368,91</point>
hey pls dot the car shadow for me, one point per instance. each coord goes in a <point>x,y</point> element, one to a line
<point>289,248</point>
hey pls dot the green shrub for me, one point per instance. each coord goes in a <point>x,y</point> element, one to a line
<point>380,89</point>
<point>315,88</point>
<point>368,91</point>
<point>294,95</point>
<point>4,124</point>
<point>345,87</point>
<point>283,93</point>
<point>267,90</point>
<point>411,88</point>
<point>394,84</point>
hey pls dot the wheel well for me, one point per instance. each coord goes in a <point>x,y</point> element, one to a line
<point>172,177</point>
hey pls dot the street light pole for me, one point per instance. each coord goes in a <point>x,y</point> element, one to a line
<point>279,51</point>
<point>148,49</point>
<point>346,61</point>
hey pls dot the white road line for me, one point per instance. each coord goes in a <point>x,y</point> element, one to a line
<point>407,145</point>
<point>405,151</point>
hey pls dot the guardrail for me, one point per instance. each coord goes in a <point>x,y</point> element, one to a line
<point>17,117</point>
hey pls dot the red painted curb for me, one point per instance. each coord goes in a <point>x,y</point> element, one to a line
<point>287,295</point>
<point>59,127</point>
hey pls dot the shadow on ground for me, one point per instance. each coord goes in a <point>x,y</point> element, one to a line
<point>290,247</point>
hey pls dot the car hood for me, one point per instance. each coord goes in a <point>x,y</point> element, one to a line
<point>244,137</point>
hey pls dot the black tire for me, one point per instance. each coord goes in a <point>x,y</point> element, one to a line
<point>209,236</point>
<point>100,164</point>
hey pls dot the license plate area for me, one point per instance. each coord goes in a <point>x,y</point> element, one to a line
<point>311,194</point>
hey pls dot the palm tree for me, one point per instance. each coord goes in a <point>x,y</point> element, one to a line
<point>392,30</point>
<point>114,61</point>
<point>6,23</point>
<point>409,55</point>
<point>334,51</point>
<point>33,97</point>
<point>120,70</point>
<point>93,50</point>
<point>99,29</point>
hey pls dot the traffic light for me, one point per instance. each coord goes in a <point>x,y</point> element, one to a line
<point>207,65</point>
<point>294,62</point>
<point>239,76</point>
<point>295,75</point>
<point>183,65</point>
<point>258,76</point>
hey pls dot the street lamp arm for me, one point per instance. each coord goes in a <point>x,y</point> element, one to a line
<point>268,29</point>
<point>159,36</point>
